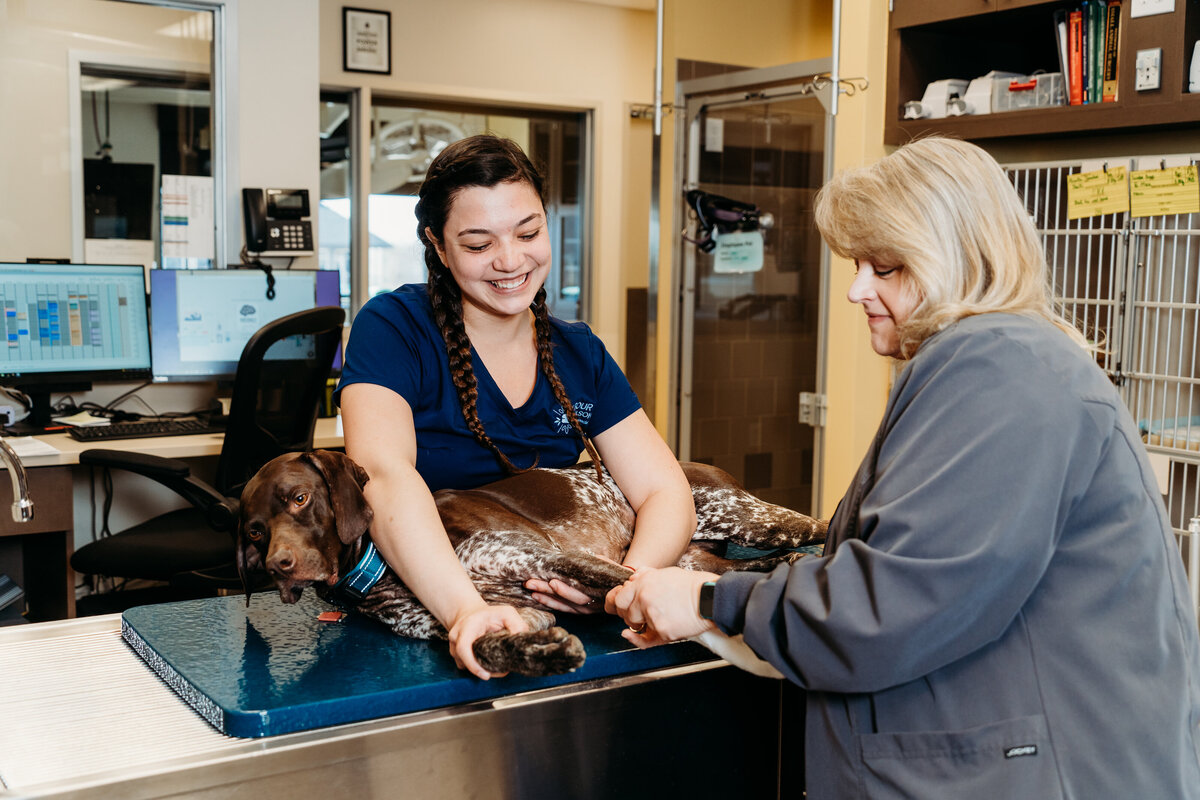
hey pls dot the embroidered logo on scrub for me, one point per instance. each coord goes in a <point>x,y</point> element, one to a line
<point>583,412</point>
<point>1021,750</point>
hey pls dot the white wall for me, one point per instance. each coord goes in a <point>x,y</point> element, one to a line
<point>275,95</point>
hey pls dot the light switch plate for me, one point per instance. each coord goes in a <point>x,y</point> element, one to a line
<point>1148,69</point>
<point>1146,8</point>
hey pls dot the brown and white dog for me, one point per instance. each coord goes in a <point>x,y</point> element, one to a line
<point>304,520</point>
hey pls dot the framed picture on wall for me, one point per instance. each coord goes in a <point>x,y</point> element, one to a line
<point>366,40</point>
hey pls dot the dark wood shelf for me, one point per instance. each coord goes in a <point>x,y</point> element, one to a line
<point>1056,121</point>
<point>931,41</point>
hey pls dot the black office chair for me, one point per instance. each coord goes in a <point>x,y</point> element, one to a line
<point>273,410</point>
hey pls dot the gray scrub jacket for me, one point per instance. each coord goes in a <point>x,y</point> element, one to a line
<point>1002,609</point>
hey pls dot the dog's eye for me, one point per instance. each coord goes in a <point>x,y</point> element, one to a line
<point>300,499</point>
<point>254,534</point>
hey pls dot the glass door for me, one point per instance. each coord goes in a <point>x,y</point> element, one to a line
<point>750,330</point>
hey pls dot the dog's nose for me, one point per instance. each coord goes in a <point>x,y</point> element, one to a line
<point>282,561</point>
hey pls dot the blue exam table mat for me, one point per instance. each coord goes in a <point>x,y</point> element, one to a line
<point>272,668</point>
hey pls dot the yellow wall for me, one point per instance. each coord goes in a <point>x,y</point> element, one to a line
<point>856,378</point>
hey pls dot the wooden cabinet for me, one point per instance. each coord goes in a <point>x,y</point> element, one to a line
<point>934,39</point>
<point>906,13</point>
<point>34,554</point>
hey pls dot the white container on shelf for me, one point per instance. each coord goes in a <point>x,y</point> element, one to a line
<point>1040,90</point>
<point>934,103</point>
<point>978,97</point>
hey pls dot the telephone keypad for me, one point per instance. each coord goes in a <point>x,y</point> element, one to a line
<point>290,235</point>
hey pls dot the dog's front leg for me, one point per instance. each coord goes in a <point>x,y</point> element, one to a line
<point>542,650</point>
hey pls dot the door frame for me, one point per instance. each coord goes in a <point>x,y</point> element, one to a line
<point>693,97</point>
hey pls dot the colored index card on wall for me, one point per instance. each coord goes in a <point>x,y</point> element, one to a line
<point>1174,190</point>
<point>1090,194</point>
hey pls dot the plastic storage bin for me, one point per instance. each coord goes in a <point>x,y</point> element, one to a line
<point>1028,91</point>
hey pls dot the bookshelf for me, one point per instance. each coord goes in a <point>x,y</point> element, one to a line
<point>934,39</point>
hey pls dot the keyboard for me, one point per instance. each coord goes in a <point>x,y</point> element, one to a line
<point>141,430</point>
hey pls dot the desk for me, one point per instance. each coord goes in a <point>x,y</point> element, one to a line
<point>36,554</point>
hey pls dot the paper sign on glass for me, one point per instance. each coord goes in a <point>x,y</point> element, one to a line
<point>714,135</point>
<point>1174,190</point>
<point>1090,194</point>
<point>738,251</point>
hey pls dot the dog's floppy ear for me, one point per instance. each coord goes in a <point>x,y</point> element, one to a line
<point>345,480</point>
<point>249,560</point>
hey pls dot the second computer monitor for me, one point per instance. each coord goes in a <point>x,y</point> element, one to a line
<point>200,320</point>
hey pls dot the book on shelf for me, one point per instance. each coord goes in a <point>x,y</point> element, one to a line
<point>1096,41</point>
<point>1088,40</point>
<point>1112,39</point>
<point>1060,38</point>
<point>1075,52</point>
<point>1085,50</point>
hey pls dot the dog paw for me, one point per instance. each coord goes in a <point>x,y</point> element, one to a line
<point>792,556</point>
<point>552,651</point>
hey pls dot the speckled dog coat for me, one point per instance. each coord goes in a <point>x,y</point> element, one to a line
<point>304,519</point>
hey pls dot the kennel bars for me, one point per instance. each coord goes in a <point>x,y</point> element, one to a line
<point>1132,284</point>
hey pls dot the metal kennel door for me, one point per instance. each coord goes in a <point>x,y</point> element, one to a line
<point>1134,284</point>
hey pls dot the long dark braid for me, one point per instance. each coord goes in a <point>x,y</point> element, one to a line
<point>541,318</point>
<point>447,312</point>
<point>483,160</point>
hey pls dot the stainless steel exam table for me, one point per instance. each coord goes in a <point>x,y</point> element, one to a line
<point>81,715</point>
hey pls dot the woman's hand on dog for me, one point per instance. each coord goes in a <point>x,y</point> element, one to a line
<point>660,605</point>
<point>559,596</point>
<point>469,626</point>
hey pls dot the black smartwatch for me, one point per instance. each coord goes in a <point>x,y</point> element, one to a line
<point>707,590</point>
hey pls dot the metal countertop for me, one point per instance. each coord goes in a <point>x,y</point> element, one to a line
<point>82,716</point>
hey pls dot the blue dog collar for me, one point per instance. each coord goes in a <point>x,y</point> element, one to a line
<point>359,581</point>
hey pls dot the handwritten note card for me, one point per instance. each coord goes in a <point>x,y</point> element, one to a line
<point>1090,194</point>
<point>1174,190</point>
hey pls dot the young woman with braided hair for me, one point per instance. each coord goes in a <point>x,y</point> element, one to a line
<point>469,379</point>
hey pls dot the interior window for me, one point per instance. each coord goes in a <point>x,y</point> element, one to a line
<point>406,137</point>
<point>127,91</point>
<point>147,167</point>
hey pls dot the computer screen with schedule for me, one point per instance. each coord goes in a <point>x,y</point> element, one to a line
<point>67,325</point>
<point>202,319</point>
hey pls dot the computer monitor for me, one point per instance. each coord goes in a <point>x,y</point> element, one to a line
<point>200,320</point>
<point>67,325</point>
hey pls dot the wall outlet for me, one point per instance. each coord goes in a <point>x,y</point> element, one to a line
<point>1148,69</point>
